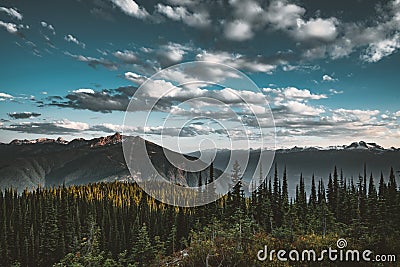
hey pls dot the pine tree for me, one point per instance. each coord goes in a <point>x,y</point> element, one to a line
<point>313,196</point>
<point>301,202</point>
<point>372,202</point>
<point>331,195</point>
<point>391,198</point>
<point>285,193</point>
<point>237,186</point>
<point>200,182</point>
<point>143,251</point>
<point>172,241</point>
<point>49,235</point>
<point>276,199</point>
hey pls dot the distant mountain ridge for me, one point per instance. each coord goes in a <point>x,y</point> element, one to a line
<point>100,141</point>
<point>117,138</point>
<point>362,145</point>
<point>46,162</point>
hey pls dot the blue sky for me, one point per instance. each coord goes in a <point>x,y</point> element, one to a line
<point>328,70</point>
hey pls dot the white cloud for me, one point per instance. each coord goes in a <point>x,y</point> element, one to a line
<point>302,108</point>
<point>4,95</point>
<point>293,93</point>
<point>134,77</point>
<point>354,115</point>
<point>397,114</point>
<point>12,12</point>
<point>94,62</point>
<point>73,125</point>
<point>10,27</point>
<point>169,92</point>
<point>55,127</point>
<point>335,92</point>
<point>328,78</point>
<point>71,38</point>
<point>235,60</point>
<point>172,53</point>
<point>131,8</point>
<point>250,17</point>
<point>84,90</point>
<point>238,30</point>
<point>248,9</point>
<point>48,26</point>
<point>282,15</point>
<point>321,29</point>
<point>126,56</point>
<point>378,50</point>
<point>379,38</point>
<point>180,13</point>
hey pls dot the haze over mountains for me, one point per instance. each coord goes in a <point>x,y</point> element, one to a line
<point>47,162</point>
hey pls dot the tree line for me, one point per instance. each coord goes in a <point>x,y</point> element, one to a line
<point>118,224</point>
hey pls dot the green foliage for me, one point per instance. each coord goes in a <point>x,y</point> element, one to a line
<point>117,224</point>
<point>143,251</point>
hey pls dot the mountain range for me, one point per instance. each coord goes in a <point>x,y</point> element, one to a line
<point>48,162</point>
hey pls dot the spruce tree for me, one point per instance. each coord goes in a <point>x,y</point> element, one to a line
<point>49,235</point>
<point>143,251</point>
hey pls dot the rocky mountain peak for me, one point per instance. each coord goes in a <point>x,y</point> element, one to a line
<point>108,140</point>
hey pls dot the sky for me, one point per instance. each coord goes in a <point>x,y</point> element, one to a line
<point>327,69</point>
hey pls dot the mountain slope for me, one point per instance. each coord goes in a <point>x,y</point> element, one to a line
<point>321,162</point>
<point>47,162</point>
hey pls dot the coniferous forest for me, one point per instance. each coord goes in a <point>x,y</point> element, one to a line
<point>117,224</point>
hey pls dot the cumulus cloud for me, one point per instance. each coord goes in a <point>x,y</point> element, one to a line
<point>23,115</point>
<point>380,49</point>
<point>131,8</point>
<point>70,38</point>
<point>181,13</point>
<point>236,60</point>
<point>238,30</point>
<point>295,117</point>
<point>318,29</point>
<point>282,15</point>
<point>288,17</point>
<point>94,62</point>
<point>12,12</point>
<point>171,53</point>
<point>377,39</point>
<point>292,93</point>
<point>134,77</point>
<point>291,109</point>
<point>354,115</point>
<point>249,17</point>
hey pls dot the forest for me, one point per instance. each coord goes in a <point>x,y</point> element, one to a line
<point>118,224</point>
